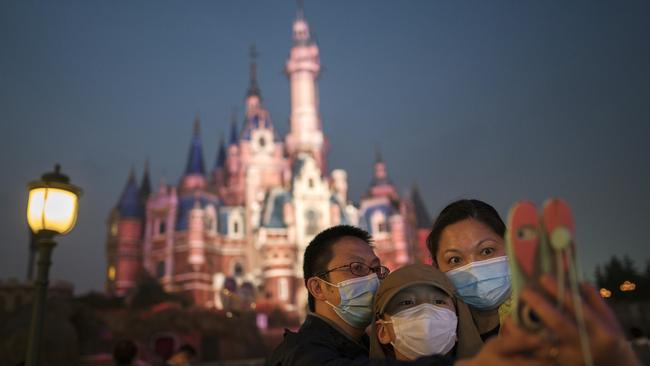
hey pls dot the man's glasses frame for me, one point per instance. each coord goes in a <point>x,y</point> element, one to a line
<point>360,269</point>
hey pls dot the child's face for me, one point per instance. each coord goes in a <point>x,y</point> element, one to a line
<point>416,295</point>
<point>407,298</point>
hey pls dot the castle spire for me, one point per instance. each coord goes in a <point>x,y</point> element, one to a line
<point>300,26</point>
<point>253,87</point>
<point>380,175</point>
<point>300,10</point>
<point>422,217</point>
<point>378,157</point>
<point>129,204</point>
<point>234,136</point>
<point>131,178</point>
<point>221,154</point>
<point>145,184</point>
<point>302,69</point>
<point>195,159</point>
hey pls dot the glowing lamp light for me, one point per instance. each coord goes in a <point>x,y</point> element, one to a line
<point>53,203</point>
<point>51,210</point>
<point>628,286</point>
<point>605,293</point>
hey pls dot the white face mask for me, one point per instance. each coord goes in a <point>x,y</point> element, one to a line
<point>424,330</point>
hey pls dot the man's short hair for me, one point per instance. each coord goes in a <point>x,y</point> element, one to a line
<point>318,253</point>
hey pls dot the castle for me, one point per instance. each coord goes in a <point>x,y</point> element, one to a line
<point>237,232</point>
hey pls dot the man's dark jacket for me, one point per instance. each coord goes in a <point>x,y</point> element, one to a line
<point>319,343</point>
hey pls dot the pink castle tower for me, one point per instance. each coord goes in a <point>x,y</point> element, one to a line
<point>302,69</point>
<point>124,250</point>
<point>382,214</point>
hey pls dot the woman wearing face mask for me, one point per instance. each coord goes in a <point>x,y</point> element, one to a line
<point>467,244</point>
<point>416,315</point>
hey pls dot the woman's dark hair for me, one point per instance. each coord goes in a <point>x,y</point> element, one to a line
<point>461,210</point>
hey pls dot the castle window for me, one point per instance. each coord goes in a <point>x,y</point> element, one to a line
<point>114,229</point>
<point>160,269</point>
<point>111,273</point>
<point>239,270</point>
<point>236,225</point>
<point>262,142</point>
<point>310,182</point>
<point>378,222</point>
<point>161,228</point>
<point>312,222</point>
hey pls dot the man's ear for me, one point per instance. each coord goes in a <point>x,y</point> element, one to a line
<point>383,335</point>
<point>316,288</point>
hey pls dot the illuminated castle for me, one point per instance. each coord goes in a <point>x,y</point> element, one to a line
<point>241,228</point>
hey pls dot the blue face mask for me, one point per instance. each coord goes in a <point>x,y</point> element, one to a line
<point>356,300</point>
<point>484,284</point>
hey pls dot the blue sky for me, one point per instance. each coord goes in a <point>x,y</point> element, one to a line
<point>498,100</point>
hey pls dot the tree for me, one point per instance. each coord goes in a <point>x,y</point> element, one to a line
<point>617,271</point>
<point>149,292</point>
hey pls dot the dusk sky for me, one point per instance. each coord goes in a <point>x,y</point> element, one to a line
<point>496,100</point>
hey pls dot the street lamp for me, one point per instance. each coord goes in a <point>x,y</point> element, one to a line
<point>51,210</point>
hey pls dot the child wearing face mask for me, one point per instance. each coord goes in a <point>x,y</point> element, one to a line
<point>416,315</point>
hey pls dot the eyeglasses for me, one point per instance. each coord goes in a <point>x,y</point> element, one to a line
<point>361,269</point>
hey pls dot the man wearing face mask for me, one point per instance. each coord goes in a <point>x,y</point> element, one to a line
<point>342,274</point>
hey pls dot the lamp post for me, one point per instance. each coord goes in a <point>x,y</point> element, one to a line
<point>51,210</point>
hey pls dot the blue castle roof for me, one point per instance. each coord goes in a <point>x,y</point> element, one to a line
<point>195,163</point>
<point>187,203</point>
<point>234,135</point>
<point>145,185</point>
<point>130,203</point>
<point>364,221</point>
<point>273,211</point>
<point>256,122</point>
<point>221,155</point>
<point>421,213</point>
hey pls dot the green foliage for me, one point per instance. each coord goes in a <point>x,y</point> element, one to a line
<point>616,271</point>
<point>149,292</point>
